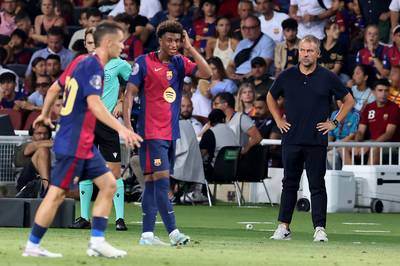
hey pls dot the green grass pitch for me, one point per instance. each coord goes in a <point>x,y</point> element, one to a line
<point>219,237</point>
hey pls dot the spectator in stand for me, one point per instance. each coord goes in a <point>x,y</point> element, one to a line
<point>271,20</point>
<point>374,53</point>
<point>362,78</point>
<point>24,23</point>
<point>376,12</point>
<point>55,40</point>
<point>93,19</point>
<point>37,97</point>
<point>245,99</point>
<point>222,46</point>
<point>393,53</point>
<point>186,114</point>
<point>16,50</point>
<point>146,8</point>
<point>245,9</point>
<point>7,17</point>
<point>55,113</point>
<point>201,99</point>
<point>83,20</point>
<point>259,76</point>
<point>394,8</point>
<point>311,15</point>
<point>9,98</point>
<point>264,121</point>
<point>219,79</point>
<point>379,121</point>
<point>254,44</point>
<point>332,53</point>
<point>245,131</point>
<point>53,67</point>
<point>394,92</point>
<point>138,22</point>
<point>38,69</point>
<point>133,47</point>
<point>204,27</point>
<point>85,3</point>
<point>287,52</point>
<point>46,21</point>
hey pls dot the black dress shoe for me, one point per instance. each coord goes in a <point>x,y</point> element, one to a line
<point>120,225</point>
<point>81,223</point>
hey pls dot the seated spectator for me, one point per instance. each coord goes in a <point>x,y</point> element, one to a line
<point>133,46</point>
<point>186,114</point>
<point>254,44</point>
<point>245,8</point>
<point>83,19</point>
<point>46,21</point>
<point>36,157</point>
<point>219,135</point>
<point>38,69</point>
<point>394,92</point>
<point>379,121</point>
<point>85,3</point>
<point>363,95</point>
<point>287,52</point>
<point>259,76</point>
<point>53,67</point>
<point>93,19</point>
<point>24,23</point>
<point>55,112</point>
<point>42,84</point>
<point>201,99</point>
<point>264,121</point>
<point>222,46</point>
<point>271,20</point>
<point>204,27</point>
<point>55,40</point>
<point>393,53</point>
<point>377,13</point>
<point>245,99</point>
<point>189,86</point>
<point>146,9</point>
<point>332,54</point>
<point>7,17</point>
<point>9,98</point>
<point>16,50</point>
<point>3,56</point>
<point>245,131</point>
<point>374,53</point>
<point>219,80</point>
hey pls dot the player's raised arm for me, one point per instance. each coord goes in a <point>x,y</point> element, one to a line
<point>204,70</point>
<point>130,92</point>
<point>51,96</point>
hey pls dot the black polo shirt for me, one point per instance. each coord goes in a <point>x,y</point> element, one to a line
<point>307,102</point>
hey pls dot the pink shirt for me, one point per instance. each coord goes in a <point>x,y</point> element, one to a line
<point>7,24</point>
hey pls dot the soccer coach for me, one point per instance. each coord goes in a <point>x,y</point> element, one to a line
<point>307,90</point>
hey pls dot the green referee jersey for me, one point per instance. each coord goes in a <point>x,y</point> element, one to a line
<point>116,68</point>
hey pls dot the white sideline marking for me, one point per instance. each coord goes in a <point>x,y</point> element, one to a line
<point>349,223</point>
<point>255,222</point>
<point>250,207</point>
<point>370,231</point>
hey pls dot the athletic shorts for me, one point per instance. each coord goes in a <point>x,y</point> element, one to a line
<point>106,140</point>
<point>157,155</point>
<point>69,170</point>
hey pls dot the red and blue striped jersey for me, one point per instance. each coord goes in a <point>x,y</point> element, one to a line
<point>160,92</point>
<point>75,135</point>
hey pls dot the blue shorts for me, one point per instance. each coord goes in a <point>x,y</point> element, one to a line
<point>157,155</point>
<point>69,170</point>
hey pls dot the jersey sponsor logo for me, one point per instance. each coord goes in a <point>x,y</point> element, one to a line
<point>95,81</point>
<point>157,162</point>
<point>169,75</point>
<point>276,30</point>
<point>371,114</point>
<point>107,77</point>
<point>169,95</point>
<point>135,69</point>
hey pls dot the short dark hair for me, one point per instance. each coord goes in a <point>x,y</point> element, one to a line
<point>93,12</point>
<point>56,31</point>
<point>255,18</point>
<point>123,18</point>
<point>21,34</point>
<point>104,28</point>
<point>53,57</point>
<point>258,61</point>
<point>261,98</point>
<point>216,116</point>
<point>290,23</point>
<point>170,26</point>
<point>8,77</point>
<point>382,82</point>
<point>32,130</point>
<point>21,15</point>
<point>227,97</point>
<point>37,60</point>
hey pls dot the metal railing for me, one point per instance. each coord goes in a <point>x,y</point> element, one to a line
<point>7,154</point>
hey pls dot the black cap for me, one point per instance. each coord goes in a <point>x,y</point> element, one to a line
<point>258,61</point>
<point>290,23</point>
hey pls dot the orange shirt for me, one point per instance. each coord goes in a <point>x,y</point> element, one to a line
<point>394,95</point>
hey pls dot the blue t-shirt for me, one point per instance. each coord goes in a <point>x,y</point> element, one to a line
<point>19,96</point>
<point>349,125</point>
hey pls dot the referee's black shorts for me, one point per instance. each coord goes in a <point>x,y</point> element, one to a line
<point>107,141</point>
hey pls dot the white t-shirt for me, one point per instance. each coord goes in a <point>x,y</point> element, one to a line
<point>147,8</point>
<point>311,7</point>
<point>201,104</point>
<point>273,27</point>
<point>395,5</point>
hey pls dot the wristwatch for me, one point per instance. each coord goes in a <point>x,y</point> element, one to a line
<point>335,122</point>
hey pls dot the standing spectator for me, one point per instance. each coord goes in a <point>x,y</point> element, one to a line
<point>379,121</point>
<point>259,76</point>
<point>374,53</point>
<point>219,79</point>
<point>46,21</point>
<point>287,52</point>
<point>16,50</point>
<point>223,46</point>
<point>245,131</point>
<point>37,97</point>
<point>311,15</point>
<point>133,47</point>
<point>245,9</point>
<point>204,28</point>
<point>7,17</point>
<point>245,99</point>
<point>332,54</point>
<point>393,53</point>
<point>394,92</point>
<point>362,94</point>
<point>271,20</point>
<point>307,90</point>
<point>55,40</point>
<point>254,44</point>
<point>93,19</point>
<point>38,69</point>
<point>53,67</point>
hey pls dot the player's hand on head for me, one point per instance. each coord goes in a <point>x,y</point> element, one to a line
<point>186,40</point>
<point>43,120</point>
